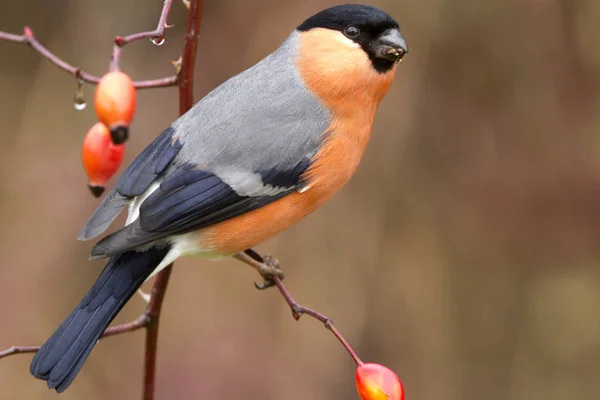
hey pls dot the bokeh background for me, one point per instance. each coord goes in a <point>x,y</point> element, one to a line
<point>464,254</point>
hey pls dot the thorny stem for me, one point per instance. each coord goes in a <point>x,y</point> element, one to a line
<point>186,101</point>
<point>157,35</point>
<point>188,57</point>
<point>299,310</point>
<point>29,39</point>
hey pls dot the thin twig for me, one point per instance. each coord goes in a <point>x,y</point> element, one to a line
<point>157,36</point>
<point>18,350</point>
<point>134,325</point>
<point>141,321</point>
<point>251,257</point>
<point>186,101</point>
<point>29,39</point>
<point>299,310</point>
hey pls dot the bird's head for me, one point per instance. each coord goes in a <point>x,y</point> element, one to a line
<point>356,46</point>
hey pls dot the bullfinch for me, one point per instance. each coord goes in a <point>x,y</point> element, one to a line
<point>257,154</point>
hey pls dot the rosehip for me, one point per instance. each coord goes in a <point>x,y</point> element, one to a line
<point>376,382</point>
<point>101,157</point>
<point>115,102</point>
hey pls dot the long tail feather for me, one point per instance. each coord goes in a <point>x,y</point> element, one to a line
<point>59,360</point>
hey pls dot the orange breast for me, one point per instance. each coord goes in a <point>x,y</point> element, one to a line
<point>339,73</point>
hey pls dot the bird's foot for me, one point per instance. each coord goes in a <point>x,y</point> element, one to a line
<point>267,266</point>
<point>269,269</point>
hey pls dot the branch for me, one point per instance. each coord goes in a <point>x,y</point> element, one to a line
<point>186,71</point>
<point>29,39</point>
<point>18,350</point>
<point>186,101</point>
<point>299,310</point>
<point>159,289</point>
<point>134,325</point>
<point>157,36</point>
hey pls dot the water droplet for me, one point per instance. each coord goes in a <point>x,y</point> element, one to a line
<point>158,41</point>
<point>79,102</point>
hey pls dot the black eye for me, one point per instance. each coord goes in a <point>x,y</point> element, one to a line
<point>351,31</point>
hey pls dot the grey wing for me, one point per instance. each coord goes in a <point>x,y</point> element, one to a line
<point>263,118</point>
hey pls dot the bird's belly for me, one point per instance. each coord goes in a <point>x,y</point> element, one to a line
<point>248,230</point>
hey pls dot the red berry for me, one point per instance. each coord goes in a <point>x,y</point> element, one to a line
<point>101,157</point>
<point>115,102</point>
<point>376,382</point>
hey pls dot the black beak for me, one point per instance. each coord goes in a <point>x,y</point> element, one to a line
<point>390,45</point>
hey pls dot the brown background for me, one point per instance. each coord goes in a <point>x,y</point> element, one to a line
<point>464,253</point>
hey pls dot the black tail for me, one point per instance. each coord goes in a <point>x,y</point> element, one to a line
<point>59,360</point>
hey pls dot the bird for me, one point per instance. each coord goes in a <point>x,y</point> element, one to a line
<point>256,155</point>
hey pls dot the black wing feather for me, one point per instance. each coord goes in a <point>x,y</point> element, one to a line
<point>189,199</point>
<point>136,179</point>
<point>285,177</point>
<point>148,165</point>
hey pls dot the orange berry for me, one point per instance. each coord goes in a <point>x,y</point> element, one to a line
<point>101,157</point>
<point>376,382</point>
<point>115,102</point>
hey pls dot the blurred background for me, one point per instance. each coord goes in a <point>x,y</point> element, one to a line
<point>464,254</point>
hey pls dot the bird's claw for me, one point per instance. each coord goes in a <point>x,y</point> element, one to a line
<point>267,283</point>
<point>269,269</point>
